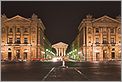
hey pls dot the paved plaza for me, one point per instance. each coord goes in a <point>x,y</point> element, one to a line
<point>53,71</point>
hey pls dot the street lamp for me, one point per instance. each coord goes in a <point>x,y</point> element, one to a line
<point>79,52</point>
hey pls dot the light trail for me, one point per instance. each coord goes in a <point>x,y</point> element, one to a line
<point>48,74</point>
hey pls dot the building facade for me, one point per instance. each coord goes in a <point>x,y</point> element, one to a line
<point>73,50</point>
<point>22,38</point>
<point>60,50</point>
<point>49,52</point>
<point>98,39</point>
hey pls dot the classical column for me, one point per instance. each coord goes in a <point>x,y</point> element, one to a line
<point>59,51</point>
<point>64,51</point>
<point>56,51</point>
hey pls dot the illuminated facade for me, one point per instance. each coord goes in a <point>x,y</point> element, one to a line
<point>98,39</point>
<point>60,49</point>
<point>49,52</point>
<point>22,38</point>
<point>73,49</point>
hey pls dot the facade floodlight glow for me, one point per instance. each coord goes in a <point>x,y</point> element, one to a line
<point>46,49</point>
<point>79,52</point>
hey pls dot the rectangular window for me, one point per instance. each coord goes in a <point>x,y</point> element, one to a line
<point>18,40</point>
<point>104,40</point>
<point>10,40</point>
<point>112,40</point>
<point>97,40</point>
<point>25,40</point>
<point>97,30</point>
<point>18,29</point>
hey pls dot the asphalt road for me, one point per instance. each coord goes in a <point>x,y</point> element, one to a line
<point>53,71</point>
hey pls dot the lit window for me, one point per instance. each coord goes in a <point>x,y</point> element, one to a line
<point>25,40</point>
<point>112,40</point>
<point>97,40</point>
<point>10,40</point>
<point>18,40</point>
<point>104,40</point>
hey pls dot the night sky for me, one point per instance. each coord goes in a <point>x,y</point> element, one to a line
<point>61,19</point>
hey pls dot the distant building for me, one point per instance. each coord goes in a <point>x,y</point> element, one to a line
<point>22,38</point>
<point>60,49</point>
<point>99,39</point>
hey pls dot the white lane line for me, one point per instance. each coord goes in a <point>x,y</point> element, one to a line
<point>80,73</point>
<point>48,73</point>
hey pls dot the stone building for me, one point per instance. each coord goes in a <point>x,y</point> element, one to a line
<point>22,38</point>
<point>98,39</point>
<point>73,49</point>
<point>60,50</point>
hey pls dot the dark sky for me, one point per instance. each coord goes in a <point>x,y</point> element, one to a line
<point>61,19</point>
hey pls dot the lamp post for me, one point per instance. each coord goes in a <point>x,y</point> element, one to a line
<point>93,51</point>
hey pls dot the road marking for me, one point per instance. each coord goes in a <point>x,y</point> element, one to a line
<point>80,73</point>
<point>48,73</point>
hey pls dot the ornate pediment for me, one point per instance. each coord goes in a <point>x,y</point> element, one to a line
<point>17,19</point>
<point>105,19</point>
<point>60,44</point>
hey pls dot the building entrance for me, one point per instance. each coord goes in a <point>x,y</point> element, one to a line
<point>25,55</point>
<point>113,55</point>
<point>18,54</point>
<point>97,56</point>
<point>104,54</point>
<point>9,55</point>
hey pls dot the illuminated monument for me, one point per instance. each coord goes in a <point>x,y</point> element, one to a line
<point>60,48</point>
